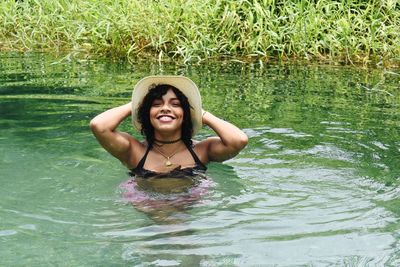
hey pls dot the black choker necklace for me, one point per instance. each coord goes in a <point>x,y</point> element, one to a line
<point>167,142</point>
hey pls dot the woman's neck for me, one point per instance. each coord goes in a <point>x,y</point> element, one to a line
<point>167,139</point>
<point>165,142</point>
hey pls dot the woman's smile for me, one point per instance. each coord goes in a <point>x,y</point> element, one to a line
<point>165,118</point>
<point>166,113</point>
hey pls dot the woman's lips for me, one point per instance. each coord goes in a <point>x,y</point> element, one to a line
<point>165,118</point>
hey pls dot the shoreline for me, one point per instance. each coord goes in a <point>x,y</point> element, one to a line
<point>192,32</point>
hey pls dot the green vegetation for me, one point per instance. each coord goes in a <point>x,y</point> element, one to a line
<point>193,30</point>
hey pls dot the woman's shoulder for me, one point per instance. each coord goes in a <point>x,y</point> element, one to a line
<point>137,150</point>
<point>197,144</point>
<point>200,148</point>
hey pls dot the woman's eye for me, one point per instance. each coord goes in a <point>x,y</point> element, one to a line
<point>156,104</point>
<point>176,104</point>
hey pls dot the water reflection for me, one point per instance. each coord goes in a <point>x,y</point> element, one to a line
<point>317,184</point>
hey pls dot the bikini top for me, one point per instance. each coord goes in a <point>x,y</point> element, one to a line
<point>178,172</point>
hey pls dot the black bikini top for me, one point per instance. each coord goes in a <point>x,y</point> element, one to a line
<point>178,172</point>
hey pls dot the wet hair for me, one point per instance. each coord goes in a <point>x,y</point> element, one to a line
<point>157,92</point>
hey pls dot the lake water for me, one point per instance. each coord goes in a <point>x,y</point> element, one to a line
<point>317,185</point>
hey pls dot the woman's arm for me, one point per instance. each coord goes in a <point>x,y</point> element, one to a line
<point>229,142</point>
<point>104,129</point>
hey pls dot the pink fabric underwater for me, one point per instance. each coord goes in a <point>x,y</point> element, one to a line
<point>134,194</point>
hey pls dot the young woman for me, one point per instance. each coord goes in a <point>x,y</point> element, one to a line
<point>167,111</point>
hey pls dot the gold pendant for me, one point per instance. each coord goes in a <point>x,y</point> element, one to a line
<point>168,163</point>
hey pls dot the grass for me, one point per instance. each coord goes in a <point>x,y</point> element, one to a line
<point>193,31</point>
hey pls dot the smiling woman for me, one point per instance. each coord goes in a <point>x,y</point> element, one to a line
<point>167,111</point>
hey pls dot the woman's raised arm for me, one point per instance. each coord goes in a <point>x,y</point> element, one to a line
<point>104,128</point>
<point>229,142</point>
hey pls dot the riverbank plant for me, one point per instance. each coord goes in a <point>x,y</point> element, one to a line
<point>193,30</point>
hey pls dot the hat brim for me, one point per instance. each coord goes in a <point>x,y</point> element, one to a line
<point>184,84</point>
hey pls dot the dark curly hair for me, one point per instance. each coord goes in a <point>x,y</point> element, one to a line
<point>144,113</point>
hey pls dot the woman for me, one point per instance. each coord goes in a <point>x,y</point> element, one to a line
<point>167,111</point>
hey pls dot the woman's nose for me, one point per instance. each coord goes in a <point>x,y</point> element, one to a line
<point>165,107</point>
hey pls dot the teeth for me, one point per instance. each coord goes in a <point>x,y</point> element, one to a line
<point>165,118</point>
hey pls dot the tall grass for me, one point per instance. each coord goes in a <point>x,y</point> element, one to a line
<point>193,30</point>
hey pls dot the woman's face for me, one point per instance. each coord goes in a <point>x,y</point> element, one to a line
<point>166,114</point>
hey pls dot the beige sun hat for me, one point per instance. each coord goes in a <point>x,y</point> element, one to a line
<point>184,84</point>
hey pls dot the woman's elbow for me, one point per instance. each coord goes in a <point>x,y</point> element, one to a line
<point>93,123</point>
<point>241,141</point>
<point>244,140</point>
<point>95,126</point>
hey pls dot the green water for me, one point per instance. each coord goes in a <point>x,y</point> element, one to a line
<point>318,184</point>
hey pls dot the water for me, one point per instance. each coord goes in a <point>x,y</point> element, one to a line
<point>316,186</point>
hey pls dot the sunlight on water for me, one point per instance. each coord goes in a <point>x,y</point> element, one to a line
<point>316,186</point>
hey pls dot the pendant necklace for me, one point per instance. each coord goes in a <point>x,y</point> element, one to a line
<point>168,163</point>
